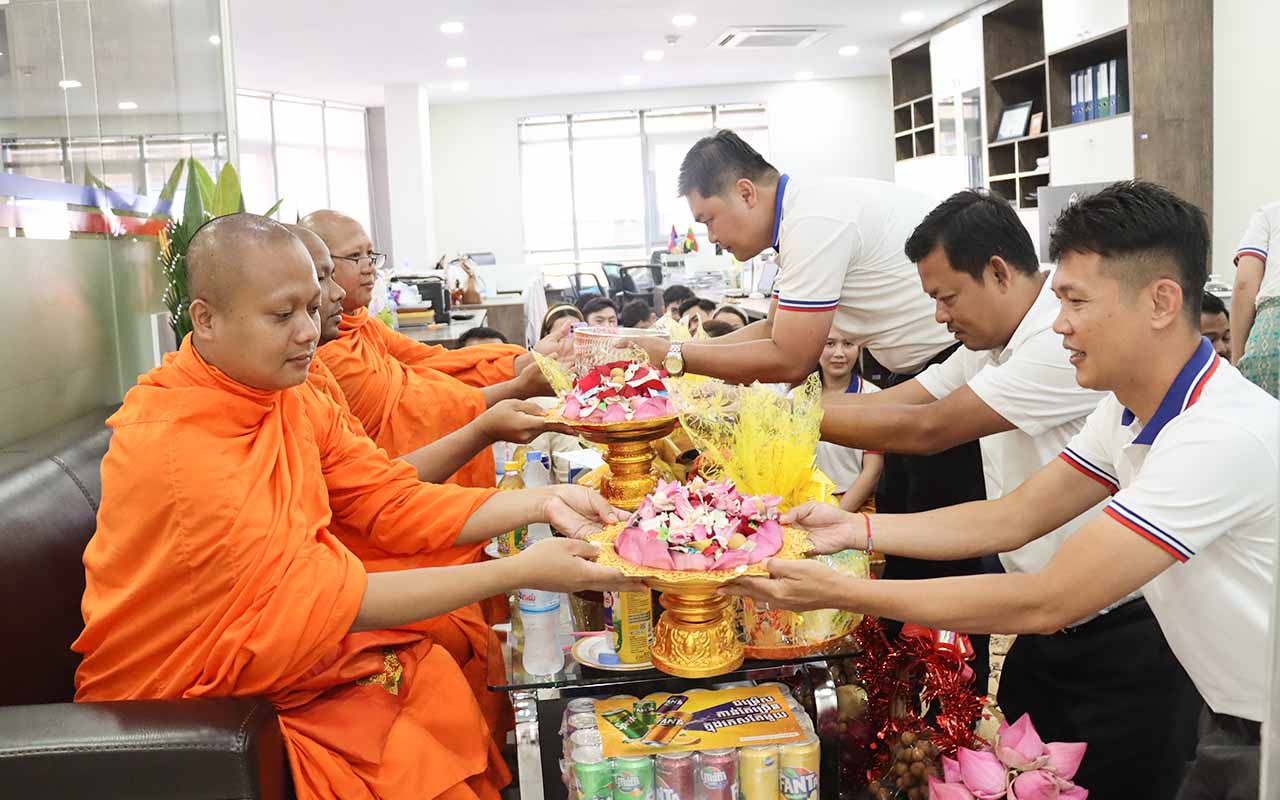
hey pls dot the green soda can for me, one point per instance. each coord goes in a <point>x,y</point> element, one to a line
<point>626,722</point>
<point>647,712</point>
<point>633,778</point>
<point>592,774</point>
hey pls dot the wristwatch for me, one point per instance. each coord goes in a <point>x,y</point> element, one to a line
<point>674,362</point>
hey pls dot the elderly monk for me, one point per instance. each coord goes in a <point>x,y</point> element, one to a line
<point>406,393</point>
<point>213,571</point>
<point>465,632</point>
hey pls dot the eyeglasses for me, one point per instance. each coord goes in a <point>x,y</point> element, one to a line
<point>377,259</point>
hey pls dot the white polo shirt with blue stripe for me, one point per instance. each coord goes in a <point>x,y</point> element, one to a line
<point>1262,241</point>
<point>840,247</point>
<point>1199,481</point>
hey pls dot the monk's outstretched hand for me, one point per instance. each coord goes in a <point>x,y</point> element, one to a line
<point>791,585</point>
<point>578,512</point>
<point>517,421</point>
<point>567,565</point>
<point>831,529</point>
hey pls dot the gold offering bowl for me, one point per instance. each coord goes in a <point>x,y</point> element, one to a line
<point>696,636</point>
<point>629,455</point>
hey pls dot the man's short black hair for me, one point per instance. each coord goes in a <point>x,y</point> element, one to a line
<point>675,293</point>
<point>1146,231</point>
<point>697,302</point>
<point>716,162</point>
<point>972,227</point>
<point>596,303</point>
<point>1212,304</point>
<point>635,312</point>
<point>481,332</point>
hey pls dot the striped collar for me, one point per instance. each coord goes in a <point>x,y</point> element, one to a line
<point>777,209</point>
<point>1182,394</point>
<point>855,383</point>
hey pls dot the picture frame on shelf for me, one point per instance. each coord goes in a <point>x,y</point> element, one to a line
<point>1013,122</point>
<point>1037,124</point>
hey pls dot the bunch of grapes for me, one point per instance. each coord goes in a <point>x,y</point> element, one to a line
<point>913,759</point>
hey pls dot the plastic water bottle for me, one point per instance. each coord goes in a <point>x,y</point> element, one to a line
<point>540,615</point>
<point>535,476</point>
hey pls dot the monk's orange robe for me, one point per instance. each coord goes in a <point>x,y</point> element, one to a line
<point>407,394</point>
<point>213,573</point>
<point>465,632</point>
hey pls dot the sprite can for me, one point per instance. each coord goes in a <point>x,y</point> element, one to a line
<point>632,778</point>
<point>592,774</point>
<point>626,722</point>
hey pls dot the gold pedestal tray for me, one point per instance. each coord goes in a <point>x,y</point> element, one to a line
<point>629,455</point>
<point>696,636</point>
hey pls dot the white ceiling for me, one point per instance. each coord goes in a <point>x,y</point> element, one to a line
<point>349,49</point>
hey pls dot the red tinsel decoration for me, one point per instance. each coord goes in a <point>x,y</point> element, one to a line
<point>924,668</point>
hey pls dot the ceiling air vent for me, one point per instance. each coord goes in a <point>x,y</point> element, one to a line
<point>773,36</point>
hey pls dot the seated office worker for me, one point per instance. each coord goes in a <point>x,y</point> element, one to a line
<point>213,571</point>
<point>1184,453</point>
<point>840,261</point>
<point>1255,300</point>
<point>1107,678</point>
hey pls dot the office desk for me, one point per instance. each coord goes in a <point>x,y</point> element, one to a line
<point>448,334</point>
<point>505,313</point>
<point>756,307</point>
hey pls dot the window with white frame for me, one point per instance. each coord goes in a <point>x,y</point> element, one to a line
<point>310,154</point>
<point>602,186</point>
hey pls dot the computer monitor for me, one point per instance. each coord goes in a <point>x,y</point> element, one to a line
<point>768,272</point>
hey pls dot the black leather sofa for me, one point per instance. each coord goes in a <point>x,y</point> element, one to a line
<point>222,749</point>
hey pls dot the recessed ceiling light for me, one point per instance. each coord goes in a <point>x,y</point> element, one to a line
<point>911,17</point>
<point>451,28</point>
<point>684,20</point>
<point>455,62</point>
<point>458,86</point>
<point>804,75</point>
<point>70,84</point>
<point>215,39</point>
<point>848,50</point>
<point>126,105</point>
<point>630,80</point>
<point>652,55</point>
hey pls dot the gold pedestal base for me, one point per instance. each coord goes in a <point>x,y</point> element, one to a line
<point>629,456</point>
<point>696,636</point>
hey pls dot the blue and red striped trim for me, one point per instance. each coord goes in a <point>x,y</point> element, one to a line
<point>1090,470</point>
<point>1148,530</point>
<point>808,306</point>
<point>1257,252</point>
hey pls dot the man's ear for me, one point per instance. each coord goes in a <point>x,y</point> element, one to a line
<point>1001,272</point>
<point>201,318</point>
<point>746,189</point>
<point>1166,303</point>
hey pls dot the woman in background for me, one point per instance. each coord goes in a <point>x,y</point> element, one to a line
<point>854,472</point>
<point>732,315</point>
<point>559,317</point>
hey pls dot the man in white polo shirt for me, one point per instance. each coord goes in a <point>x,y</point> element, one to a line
<point>1185,448</point>
<point>1013,386</point>
<point>840,261</point>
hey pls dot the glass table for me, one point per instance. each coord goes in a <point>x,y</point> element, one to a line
<point>539,703</point>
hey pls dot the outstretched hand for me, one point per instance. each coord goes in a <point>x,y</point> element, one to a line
<point>579,512</point>
<point>517,421</point>
<point>567,565</point>
<point>792,585</point>
<point>830,528</point>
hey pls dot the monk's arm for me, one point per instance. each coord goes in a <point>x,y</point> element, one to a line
<point>435,462</point>
<point>478,366</point>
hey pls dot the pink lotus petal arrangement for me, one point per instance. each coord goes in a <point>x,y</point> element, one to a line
<point>1020,767</point>
<point>620,391</point>
<point>701,526</point>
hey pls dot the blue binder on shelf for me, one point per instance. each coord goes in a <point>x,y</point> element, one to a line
<point>1077,95</point>
<point>1090,111</point>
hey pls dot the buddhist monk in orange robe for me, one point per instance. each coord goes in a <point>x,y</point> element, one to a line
<point>213,571</point>
<point>466,632</point>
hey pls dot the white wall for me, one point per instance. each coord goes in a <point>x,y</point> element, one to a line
<point>1246,117</point>
<point>838,127</point>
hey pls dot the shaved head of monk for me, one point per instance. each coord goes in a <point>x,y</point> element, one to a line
<point>255,301</point>
<point>352,252</point>
<point>331,294</point>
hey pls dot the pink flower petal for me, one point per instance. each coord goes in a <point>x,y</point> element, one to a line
<point>950,770</point>
<point>947,791</point>
<point>1034,785</point>
<point>982,772</point>
<point>1065,758</point>
<point>1074,793</point>
<point>768,540</point>
<point>615,413</point>
<point>1019,746</point>
<point>690,562</point>
<point>732,559</point>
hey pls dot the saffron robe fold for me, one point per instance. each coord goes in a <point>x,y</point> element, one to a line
<point>213,573</point>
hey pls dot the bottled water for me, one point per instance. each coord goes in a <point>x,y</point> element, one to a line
<point>535,476</point>
<point>540,614</point>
